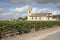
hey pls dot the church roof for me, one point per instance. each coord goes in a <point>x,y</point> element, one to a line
<point>40,14</point>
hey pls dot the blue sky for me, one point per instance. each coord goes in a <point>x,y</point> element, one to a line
<point>7,7</point>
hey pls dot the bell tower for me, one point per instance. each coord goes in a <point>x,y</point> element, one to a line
<point>29,10</point>
<point>29,13</point>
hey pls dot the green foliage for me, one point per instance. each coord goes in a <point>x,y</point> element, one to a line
<point>21,18</point>
<point>57,16</point>
<point>25,26</point>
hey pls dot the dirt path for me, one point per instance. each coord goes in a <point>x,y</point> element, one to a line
<point>36,35</point>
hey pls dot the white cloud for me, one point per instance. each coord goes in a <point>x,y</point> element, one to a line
<point>35,10</point>
<point>7,13</point>
<point>45,10</point>
<point>22,9</point>
<point>1,9</point>
<point>56,12</point>
<point>36,1</point>
<point>17,12</point>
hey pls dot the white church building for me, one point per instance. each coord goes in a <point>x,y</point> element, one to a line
<point>38,16</point>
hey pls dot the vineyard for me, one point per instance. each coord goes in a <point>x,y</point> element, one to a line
<point>10,28</point>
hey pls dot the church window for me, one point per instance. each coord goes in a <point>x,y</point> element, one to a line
<point>39,17</point>
<point>32,17</point>
<point>35,17</point>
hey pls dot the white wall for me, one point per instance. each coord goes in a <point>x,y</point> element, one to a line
<point>34,18</point>
<point>44,18</point>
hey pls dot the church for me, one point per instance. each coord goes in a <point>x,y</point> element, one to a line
<point>38,16</point>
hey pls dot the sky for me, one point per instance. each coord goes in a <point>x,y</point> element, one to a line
<point>18,8</point>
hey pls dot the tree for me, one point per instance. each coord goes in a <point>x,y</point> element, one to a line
<point>25,18</point>
<point>56,16</point>
<point>20,18</point>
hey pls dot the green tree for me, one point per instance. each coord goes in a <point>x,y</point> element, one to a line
<point>20,18</point>
<point>25,18</point>
<point>56,16</point>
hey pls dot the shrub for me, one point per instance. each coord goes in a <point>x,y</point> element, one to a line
<point>25,26</point>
